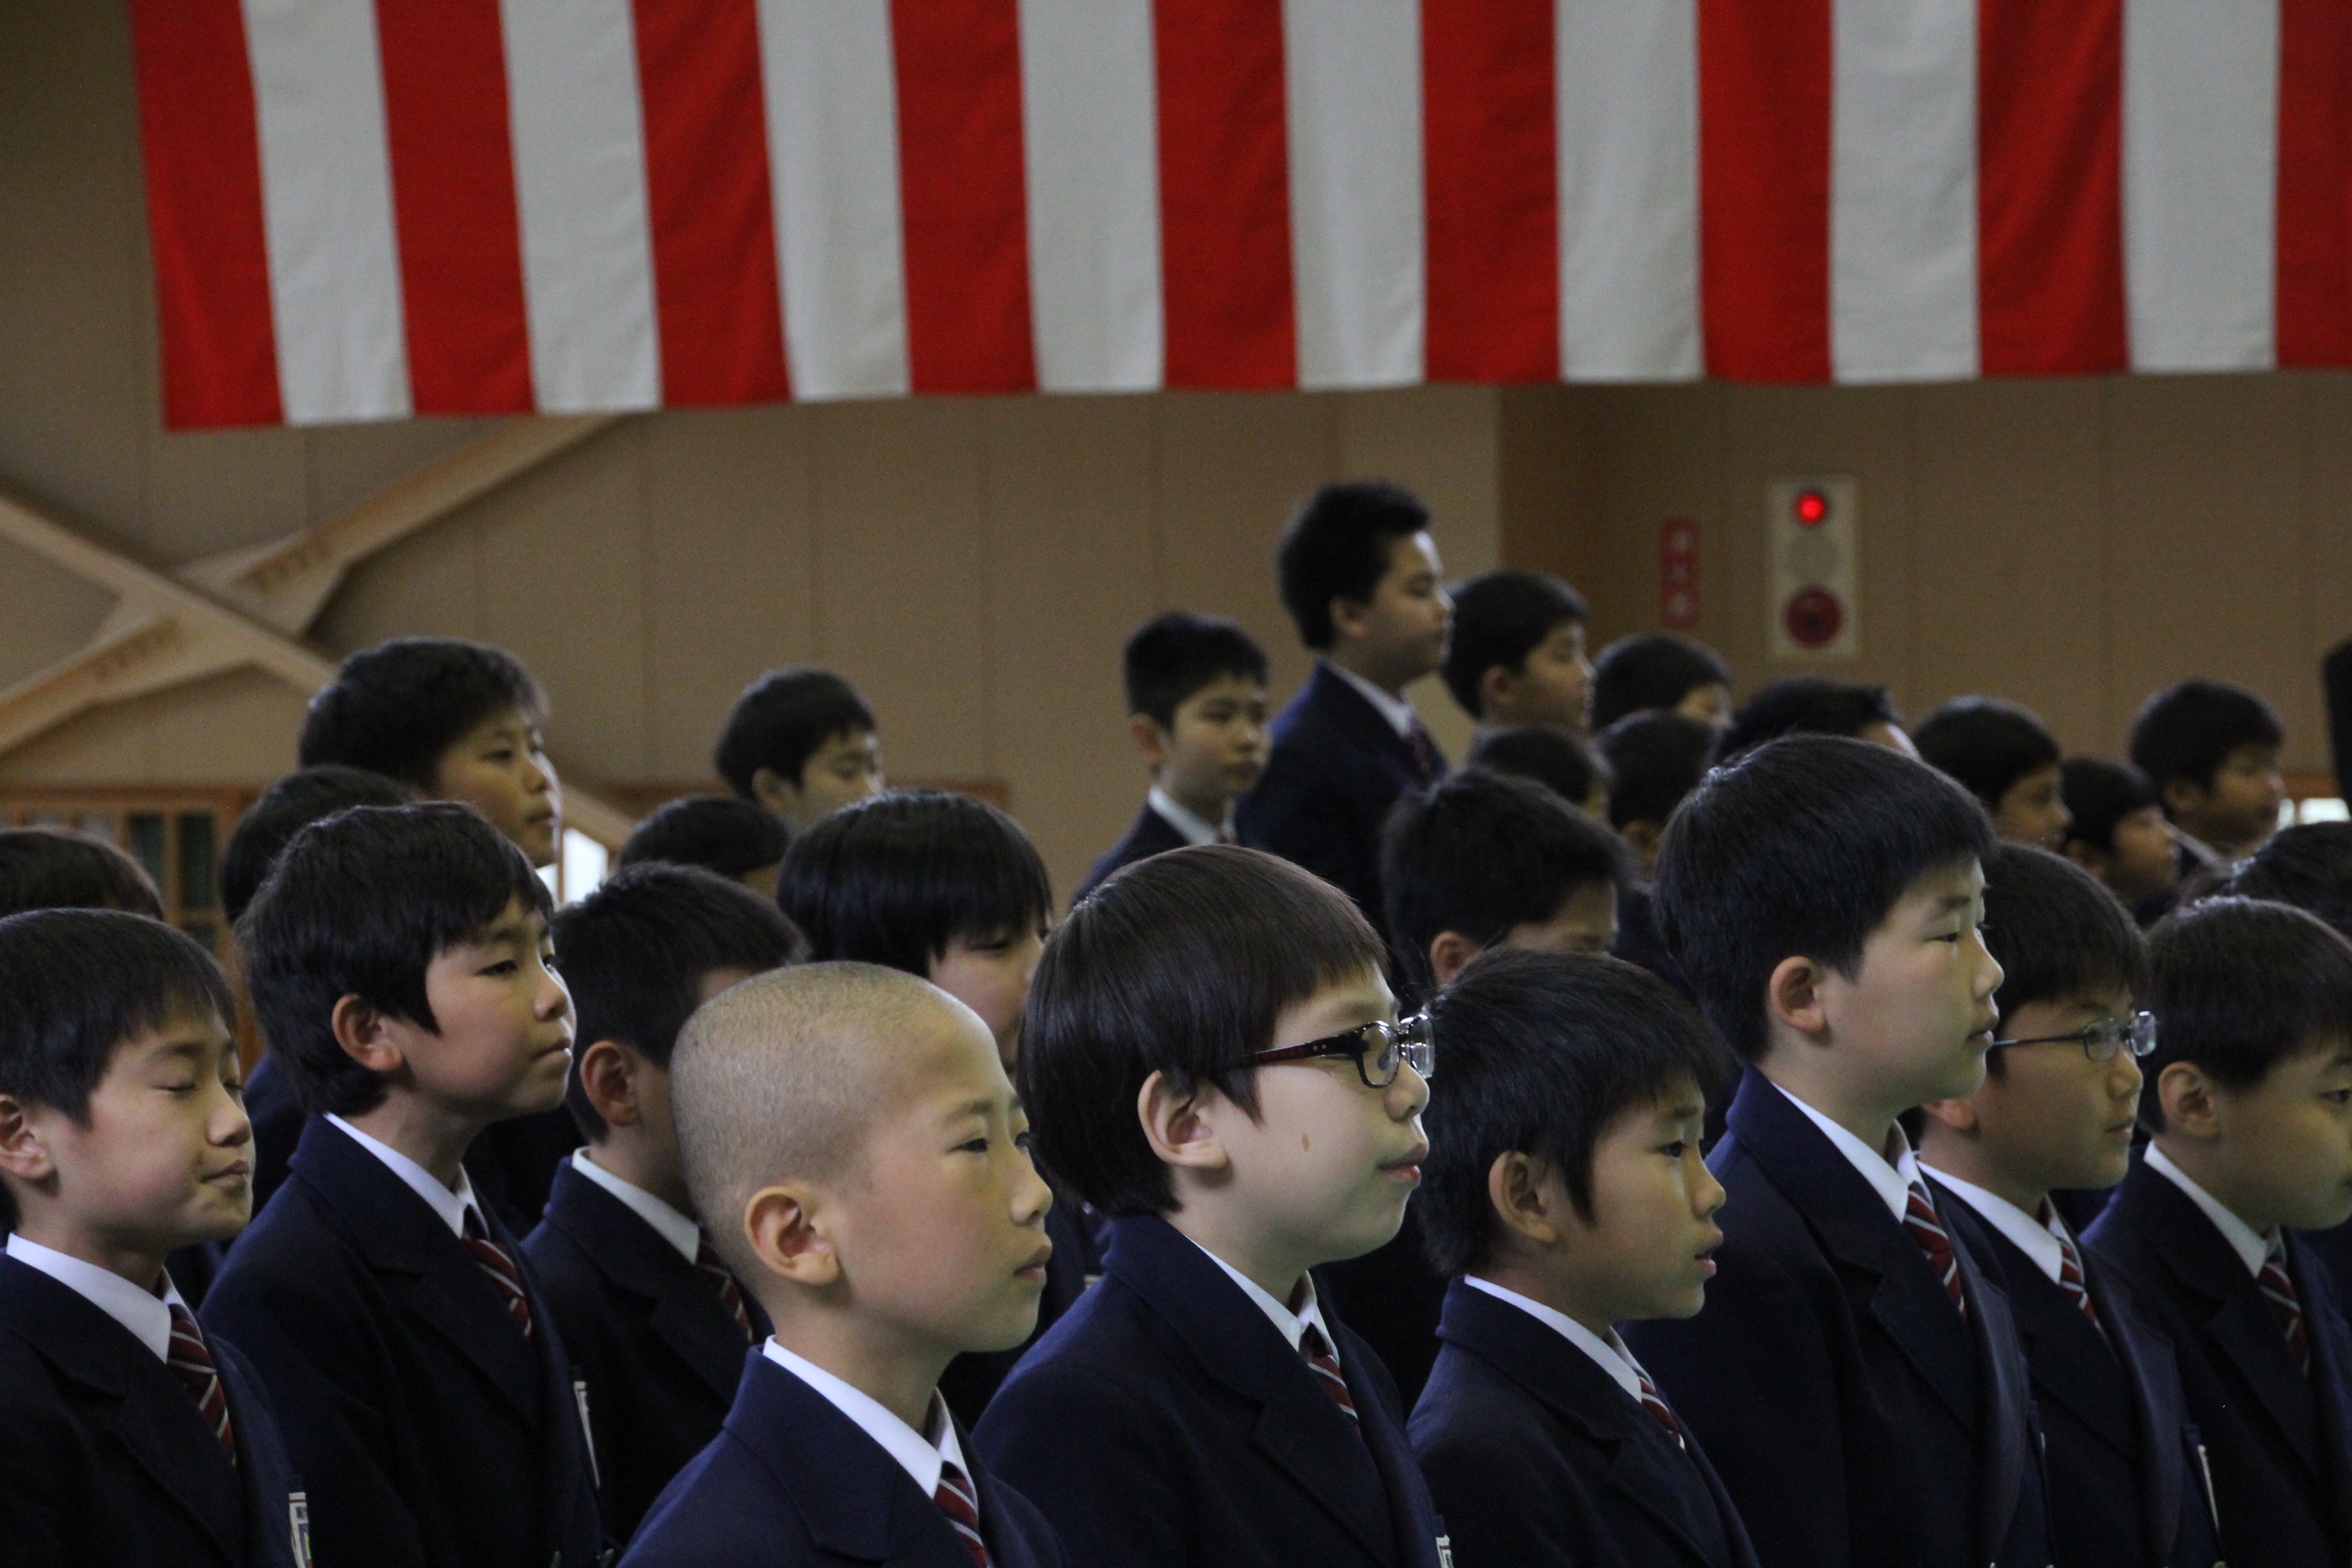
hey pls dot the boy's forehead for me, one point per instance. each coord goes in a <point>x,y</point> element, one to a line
<point>1954,882</point>
<point>185,1028</point>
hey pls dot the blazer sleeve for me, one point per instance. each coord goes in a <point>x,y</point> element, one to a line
<point>37,1491</point>
<point>1088,1457</point>
<point>1503,1509</point>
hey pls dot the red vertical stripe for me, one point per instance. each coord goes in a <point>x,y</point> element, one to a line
<point>2049,211</point>
<point>1764,75</point>
<point>1488,130</point>
<point>962,196</point>
<point>1224,195</point>
<point>2315,183</point>
<point>202,152</point>
<point>719,311</point>
<point>452,205</point>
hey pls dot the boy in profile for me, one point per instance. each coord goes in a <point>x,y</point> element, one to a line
<point>128,1435</point>
<point>1855,1379</point>
<point>800,741</point>
<point>1553,755</point>
<point>1196,706</point>
<point>2005,756</point>
<point>2212,750</point>
<point>1516,653</point>
<point>2248,1108</point>
<point>1658,756</point>
<point>742,842</point>
<point>1360,577</point>
<point>851,1133</point>
<point>656,1324</point>
<point>1661,669</point>
<point>2119,834</point>
<point>1214,1060</point>
<point>2055,1114</point>
<point>399,963</point>
<point>1565,1195</point>
<point>58,868</point>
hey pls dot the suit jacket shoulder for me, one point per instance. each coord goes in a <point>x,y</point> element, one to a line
<point>1335,768</point>
<point>1151,834</point>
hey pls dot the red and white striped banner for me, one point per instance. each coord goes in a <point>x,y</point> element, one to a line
<point>365,209</point>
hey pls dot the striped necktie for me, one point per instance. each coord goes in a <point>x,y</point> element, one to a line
<point>961,1503</point>
<point>191,1359</point>
<point>2278,1290</point>
<point>1926,1228</point>
<point>1324,1365</point>
<point>2071,1280</point>
<point>500,1267</point>
<point>714,1268</point>
<point>1426,758</point>
<point>1659,1411</point>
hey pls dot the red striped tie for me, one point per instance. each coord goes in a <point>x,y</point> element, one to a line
<point>494,1262</point>
<point>1926,1228</point>
<point>2070,1280</point>
<point>731,1294</point>
<point>961,1503</point>
<point>192,1361</point>
<point>1659,1411</point>
<point>1324,1365</point>
<point>2278,1290</point>
<point>1426,758</point>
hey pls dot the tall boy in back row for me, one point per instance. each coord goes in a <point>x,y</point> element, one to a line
<point>1856,1380</point>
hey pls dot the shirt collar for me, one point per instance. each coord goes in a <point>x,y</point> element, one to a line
<point>1195,828</point>
<point>921,1457</point>
<point>451,1206</point>
<point>1395,710</point>
<point>147,1316</point>
<point>2252,1247</point>
<point>1609,1354</point>
<point>680,1231</point>
<point>1291,1325</point>
<point>1890,1179</point>
<point>2038,1239</point>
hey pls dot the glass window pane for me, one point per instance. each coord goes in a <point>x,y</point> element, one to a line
<point>147,842</point>
<point>196,860</point>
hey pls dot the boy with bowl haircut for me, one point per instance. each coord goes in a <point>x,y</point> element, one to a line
<point>800,741</point>
<point>127,1434</point>
<point>1661,669</point>
<point>399,965</point>
<point>2005,756</point>
<point>739,840</point>
<point>2119,833</point>
<point>1196,706</point>
<point>1814,705</point>
<point>656,1324</point>
<point>2248,1108</point>
<point>59,868</point>
<point>1211,1060</point>
<point>1516,653</point>
<point>1658,756</point>
<point>851,1132</point>
<point>2212,750</point>
<point>1553,755</point>
<point>1565,1192</point>
<point>1856,1380</point>
<point>2062,1084</point>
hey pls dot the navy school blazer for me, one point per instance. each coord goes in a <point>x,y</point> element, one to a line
<point>2124,1489</point>
<point>1537,1455</point>
<point>1335,769</point>
<point>431,1433</point>
<point>1165,1423</point>
<point>791,1482</point>
<point>105,1461</point>
<point>1855,1417</point>
<point>646,1333</point>
<point>1152,835</point>
<point>2279,1445</point>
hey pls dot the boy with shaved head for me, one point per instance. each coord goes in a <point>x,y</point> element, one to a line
<point>849,1135</point>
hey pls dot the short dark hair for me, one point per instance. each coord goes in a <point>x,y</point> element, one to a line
<point>2055,929</point>
<point>2100,792</point>
<point>1651,669</point>
<point>397,708</point>
<point>2308,866</point>
<point>1337,546</point>
<point>81,983</point>
<point>1171,656</point>
<point>1986,744</point>
<point>1553,755</point>
<point>1659,756</point>
<point>781,720</point>
<point>1500,617</point>
<point>1802,847</point>
<point>58,868</point>
<point>1806,705</point>
<point>1480,852</point>
<point>2238,985</point>
<point>721,833</point>
<point>894,879</point>
<point>285,809</point>
<point>1541,1051</point>
<point>1179,965</point>
<point>360,904</point>
<point>635,952</point>
<point>2189,730</point>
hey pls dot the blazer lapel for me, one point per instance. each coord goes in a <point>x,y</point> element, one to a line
<point>2331,1369</point>
<point>1351,712</point>
<point>2147,1358</point>
<point>2003,1435</point>
<point>681,1308</point>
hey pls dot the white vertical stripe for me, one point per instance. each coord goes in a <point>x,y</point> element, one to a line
<point>580,190</point>
<point>326,197</point>
<point>2201,182</point>
<point>832,153</point>
<point>1089,125</point>
<point>1903,190</point>
<point>1351,75</point>
<point>1627,96</point>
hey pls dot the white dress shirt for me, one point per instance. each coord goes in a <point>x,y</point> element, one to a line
<point>2038,1239</point>
<point>672,1226</point>
<point>1291,1325</point>
<point>1891,1180</point>
<point>1610,1354</point>
<point>1195,828</point>
<point>146,1315</point>
<point>2253,1247</point>
<point>921,1457</point>
<point>449,1203</point>
<point>1393,708</point>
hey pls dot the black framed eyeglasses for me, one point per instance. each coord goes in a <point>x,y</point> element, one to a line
<point>2102,1040</point>
<point>1377,1049</point>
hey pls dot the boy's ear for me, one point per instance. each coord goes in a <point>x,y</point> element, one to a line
<point>2088,855</point>
<point>1149,739</point>
<point>24,1152</point>
<point>1350,617</point>
<point>2187,1098</point>
<point>1958,1115</point>
<point>774,791</point>
<point>1642,836</point>
<point>1524,1198</point>
<point>1495,687</point>
<point>369,1036</point>
<point>2183,797</point>
<point>1176,1125</point>
<point>788,1232</point>
<point>609,1077</point>
<point>1792,997</point>
<point>1450,953</point>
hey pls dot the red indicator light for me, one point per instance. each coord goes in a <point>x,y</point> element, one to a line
<point>1812,508</point>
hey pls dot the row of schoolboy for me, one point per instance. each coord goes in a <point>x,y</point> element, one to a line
<point>1133,1446</point>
